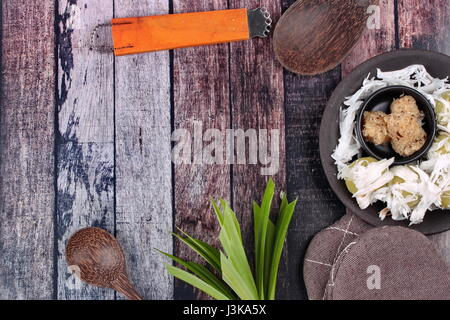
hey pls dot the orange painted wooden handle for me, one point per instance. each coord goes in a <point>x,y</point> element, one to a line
<point>154,33</point>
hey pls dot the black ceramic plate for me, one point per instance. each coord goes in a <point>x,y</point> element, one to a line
<point>438,65</point>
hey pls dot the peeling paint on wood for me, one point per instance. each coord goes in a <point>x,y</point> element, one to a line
<point>143,160</point>
<point>85,137</point>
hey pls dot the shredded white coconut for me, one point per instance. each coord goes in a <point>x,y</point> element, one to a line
<point>400,195</point>
<point>368,177</point>
<point>422,185</point>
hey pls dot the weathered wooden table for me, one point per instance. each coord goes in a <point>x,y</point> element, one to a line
<point>86,138</point>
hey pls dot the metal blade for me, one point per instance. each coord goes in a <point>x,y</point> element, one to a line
<point>259,22</point>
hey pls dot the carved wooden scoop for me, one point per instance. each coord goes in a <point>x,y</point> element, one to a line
<point>314,36</point>
<point>98,257</point>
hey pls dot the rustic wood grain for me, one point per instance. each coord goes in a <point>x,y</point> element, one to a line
<point>374,41</point>
<point>256,93</point>
<point>318,207</point>
<point>85,148</point>
<point>143,159</point>
<point>26,156</point>
<point>201,93</point>
<point>426,25</point>
<point>237,85</point>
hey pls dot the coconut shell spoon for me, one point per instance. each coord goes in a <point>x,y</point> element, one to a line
<point>314,36</point>
<point>98,257</point>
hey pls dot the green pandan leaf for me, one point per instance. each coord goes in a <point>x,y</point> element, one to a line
<point>207,252</point>
<point>281,229</point>
<point>196,282</point>
<point>204,274</point>
<point>232,265</point>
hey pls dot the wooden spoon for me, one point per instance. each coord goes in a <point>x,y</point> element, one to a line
<point>100,260</point>
<point>314,36</point>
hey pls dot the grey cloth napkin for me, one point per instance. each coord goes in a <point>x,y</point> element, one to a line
<point>325,248</point>
<point>353,260</point>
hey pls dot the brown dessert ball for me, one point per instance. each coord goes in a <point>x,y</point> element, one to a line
<point>406,132</point>
<point>375,127</point>
<point>402,127</point>
<point>405,104</point>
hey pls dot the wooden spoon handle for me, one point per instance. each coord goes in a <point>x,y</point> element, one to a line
<point>154,33</point>
<point>122,284</point>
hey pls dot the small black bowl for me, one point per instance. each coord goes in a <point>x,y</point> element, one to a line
<point>381,101</point>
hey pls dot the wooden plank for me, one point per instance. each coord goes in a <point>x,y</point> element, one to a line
<point>143,159</point>
<point>26,155</point>
<point>200,82</point>
<point>85,149</point>
<point>256,103</point>
<point>379,36</point>
<point>318,207</point>
<point>426,25</point>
